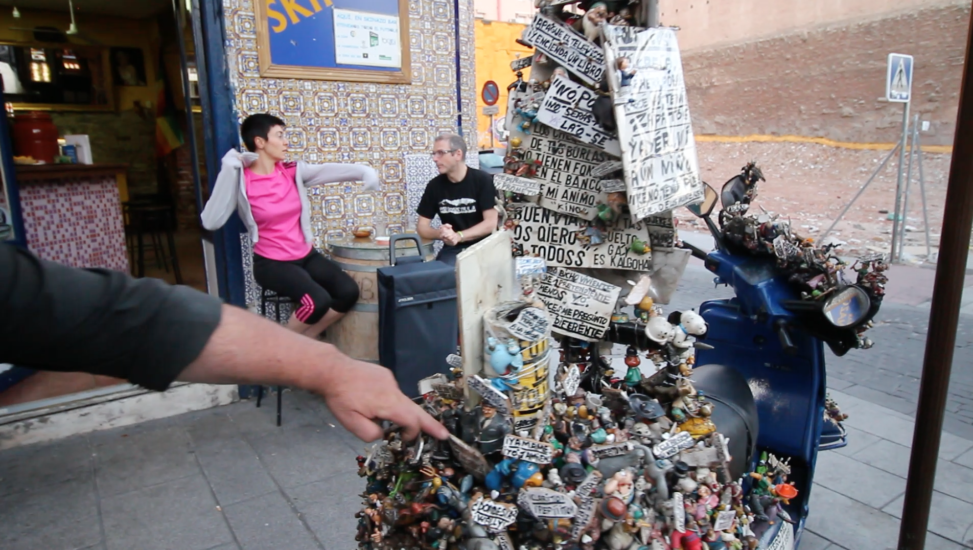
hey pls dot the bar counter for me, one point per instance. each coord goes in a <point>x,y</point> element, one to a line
<point>73,213</point>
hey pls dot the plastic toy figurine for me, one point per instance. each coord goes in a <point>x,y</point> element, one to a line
<point>625,75</point>
<point>518,85</point>
<point>592,21</point>
<point>634,375</point>
<point>640,247</point>
<point>605,213</point>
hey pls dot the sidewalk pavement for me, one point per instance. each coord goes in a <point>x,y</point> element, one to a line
<point>228,478</point>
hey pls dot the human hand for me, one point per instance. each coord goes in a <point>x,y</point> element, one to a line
<point>446,234</point>
<point>232,159</point>
<point>452,239</point>
<point>360,394</point>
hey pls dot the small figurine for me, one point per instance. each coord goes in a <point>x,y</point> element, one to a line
<point>625,75</point>
<point>634,375</point>
<point>640,247</point>
<point>518,85</point>
<point>592,21</point>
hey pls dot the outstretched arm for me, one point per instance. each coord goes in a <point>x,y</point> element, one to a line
<point>320,174</point>
<point>60,318</point>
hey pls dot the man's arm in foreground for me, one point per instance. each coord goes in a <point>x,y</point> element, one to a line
<point>60,318</point>
<point>247,349</point>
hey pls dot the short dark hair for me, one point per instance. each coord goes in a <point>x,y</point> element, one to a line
<point>258,125</point>
<point>455,142</point>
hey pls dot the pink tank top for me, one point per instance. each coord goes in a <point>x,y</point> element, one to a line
<point>276,207</point>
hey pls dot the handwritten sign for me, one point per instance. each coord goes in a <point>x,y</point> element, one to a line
<point>567,107</point>
<point>654,126</point>
<point>613,449</point>
<point>569,49</point>
<point>586,512</point>
<point>612,186</point>
<point>672,446</point>
<point>547,503</point>
<point>565,171</point>
<point>571,380</point>
<point>448,391</point>
<point>554,237</point>
<point>503,542</point>
<point>606,168</point>
<point>581,305</point>
<point>522,63</point>
<point>494,397</point>
<point>514,184</point>
<point>531,325</point>
<point>589,484</point>
<point>496,517</point>
<point>468,457</point>
<point>530,450</point>
<point>526,423</point>
<point>678,513</point>
<point>724,520</point>
<point>662,231</point>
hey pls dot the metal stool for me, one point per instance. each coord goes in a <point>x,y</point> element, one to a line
<point>146,217</point>
<point>271,296</point>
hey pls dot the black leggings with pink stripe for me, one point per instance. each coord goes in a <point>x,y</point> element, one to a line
<point>314,283</point>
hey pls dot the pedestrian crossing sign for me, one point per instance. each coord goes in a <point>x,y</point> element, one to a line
<point>898,81</point>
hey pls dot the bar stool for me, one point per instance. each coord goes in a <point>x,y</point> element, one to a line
<point>265,297</point>
<point>155,219</point>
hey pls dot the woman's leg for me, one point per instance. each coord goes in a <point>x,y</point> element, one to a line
<point>311,301</point>
<point>342,288</point>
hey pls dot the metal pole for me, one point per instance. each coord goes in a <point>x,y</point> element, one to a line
<point>922,190</point>
<point>908,183</point>
<point>862,190</point>
<point>898,183</point>
<point>653,13</point>
<point>943,318</point>
<point>491,131</point>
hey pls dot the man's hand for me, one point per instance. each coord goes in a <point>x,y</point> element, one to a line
<point>360,393</point>
<point>447,235</point>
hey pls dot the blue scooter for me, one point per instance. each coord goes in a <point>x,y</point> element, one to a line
<point>772,338</point>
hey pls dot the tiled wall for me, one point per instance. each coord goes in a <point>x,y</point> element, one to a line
<point>362,122</point>
<point>76,223</point>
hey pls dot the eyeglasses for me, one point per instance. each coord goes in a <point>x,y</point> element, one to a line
<point>437,154</point>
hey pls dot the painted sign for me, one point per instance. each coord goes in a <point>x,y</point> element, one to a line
<point>565,172</point>
<point>571,380</point>
<point>547,503</point>
<point>468,457</point>
<point>494,397</point>
<point>654,125</point>
<point>589,484</point>
<point>611,450</point>
<point>581,305</point>
<point>678,512</point>
<point>569,49</point>
<point>514,184</point>
<point>586,512</point>
<point>612,186</point>
<point>531,325</point>
<point>522,63</point>
<point>606,168</point>
<point>530,450</point>
<point>496,517</point>
<point>554,237</point>
<point>490,92</point>
<point>724,520</point>
<point>567,107</point>
<point>670,447</point>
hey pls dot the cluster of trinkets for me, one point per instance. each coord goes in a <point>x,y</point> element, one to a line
<point>816,271</point>
<point>576,458</point>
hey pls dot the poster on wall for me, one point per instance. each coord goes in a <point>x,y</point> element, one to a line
<point>369,39</point>
<point>342,40</point>
<point>654,127</point>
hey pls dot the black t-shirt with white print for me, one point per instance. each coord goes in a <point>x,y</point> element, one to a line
<point>459,204</point>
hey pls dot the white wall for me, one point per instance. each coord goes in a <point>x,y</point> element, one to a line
<point>509,11</point>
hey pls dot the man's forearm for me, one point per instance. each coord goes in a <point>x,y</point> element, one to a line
<point>248,349</point>
<point>427,232</point>
<point>481,229</point>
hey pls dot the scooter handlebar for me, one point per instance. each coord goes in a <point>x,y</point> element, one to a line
<point>696,251</point>
<point>784,335</point>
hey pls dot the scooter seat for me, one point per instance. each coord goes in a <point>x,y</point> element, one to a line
<point>734,413</point>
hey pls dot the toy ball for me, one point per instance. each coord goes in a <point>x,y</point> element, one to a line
<point>515,142</point>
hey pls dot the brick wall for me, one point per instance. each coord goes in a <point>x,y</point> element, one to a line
<point>118,138</point>
<point>827,81</point>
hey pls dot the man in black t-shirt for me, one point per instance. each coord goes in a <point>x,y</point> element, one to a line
<point>463,197</point>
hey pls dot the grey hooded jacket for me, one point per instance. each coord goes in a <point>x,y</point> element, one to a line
<point>230,190</point>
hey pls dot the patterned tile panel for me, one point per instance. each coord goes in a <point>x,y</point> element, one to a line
<point>357,122</point>
<point>75,222</point>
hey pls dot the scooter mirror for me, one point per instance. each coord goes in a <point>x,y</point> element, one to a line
<point>847,307</point>
<point>705,208</point>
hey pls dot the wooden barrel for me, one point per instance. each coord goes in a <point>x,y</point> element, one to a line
<point>356,334</point>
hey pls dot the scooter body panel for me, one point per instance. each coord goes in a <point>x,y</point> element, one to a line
<point>789,388</point>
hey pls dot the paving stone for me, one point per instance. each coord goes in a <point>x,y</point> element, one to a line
<point>142,460</point>
<point>948,517</point>
<point>883,398</point>
<point>58,516</point>
<point>329,507</point>
<point>857,440</point>
<point>233,469</point>
<point>812,541</point>
<point>886,455</point>
<point>856,525</point>
<point>178,514</point>
<point>35,466</point>
<point>965,459</point>
<point>856,480</point>
<point>268,521</point>
<point>303,455</point>
<point>835,383</point>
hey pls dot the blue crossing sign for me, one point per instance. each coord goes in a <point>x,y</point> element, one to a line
<point>898,80</point>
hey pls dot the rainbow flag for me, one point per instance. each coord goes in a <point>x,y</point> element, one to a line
<point>168,131</point>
